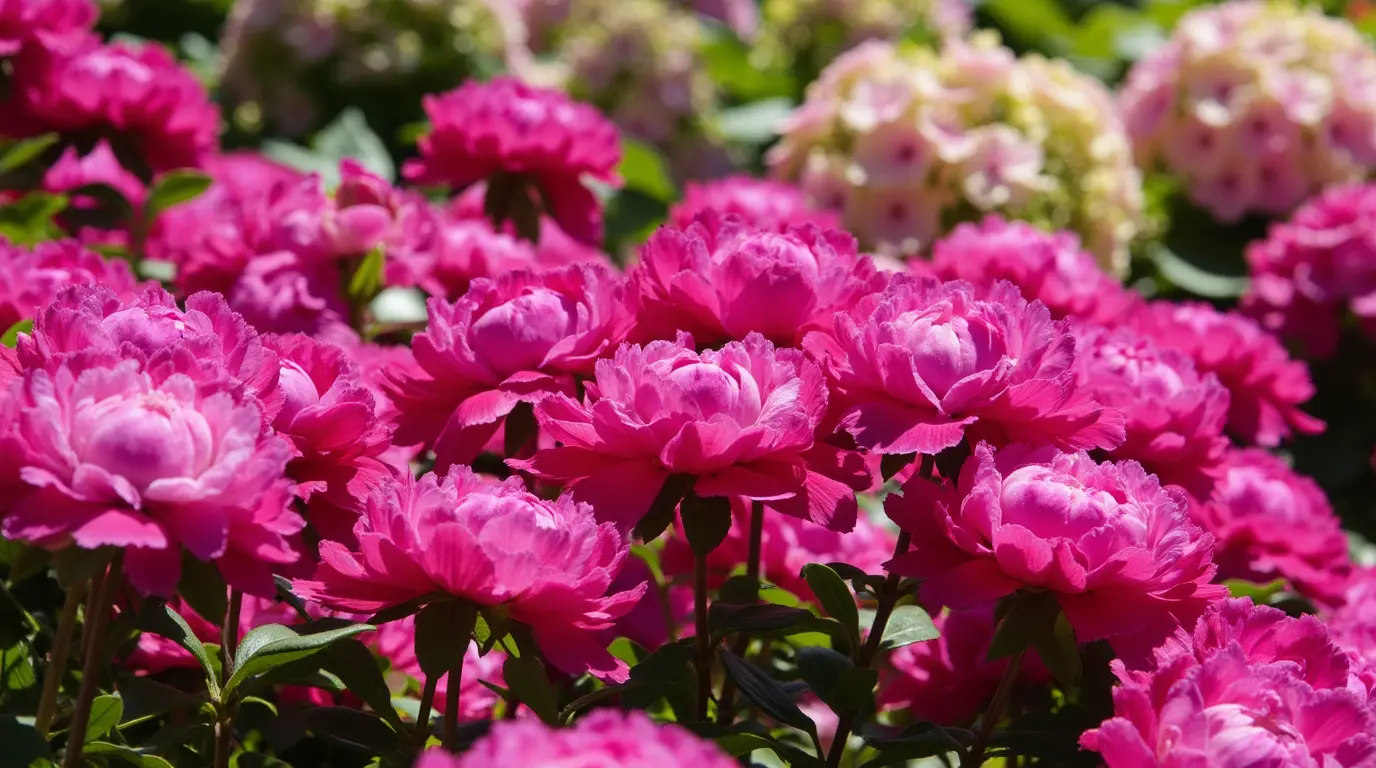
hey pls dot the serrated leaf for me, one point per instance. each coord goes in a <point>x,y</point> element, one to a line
<point>106,712</point>
<point>161,620</point>
<point>174,188</point>
<point>766,693</point>
<point>352,729</point>
<point>706,521</point>
<point>908,624</point>
<point>275,645</point>
<point>835,598</point>
<point>21,153</point>
<point>527,680</point>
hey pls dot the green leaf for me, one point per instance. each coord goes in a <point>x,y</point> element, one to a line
<point>442,634</point>
<point>1029,616</point>
<point>303,160</point>
<point>645,171</point>
<point>660,515</point>
<point>528,682</point>
<point>706,521</point>
<point>16,664</point>
<point>260,701</point>
<point>742,744</point>
<point>352,729</point>
<point>766,693</point>
<point>725,618</point>
<point>144,698</point>
<point>1059,651</point>
<point>908,624</point>
<point>23,746</point>
<point>1261,594</point>
<point>367,280</point>
<point>835,598</point>
<point>274,645</point>
<point>728,62</point>
<point>29,219</point>
<point>350,137</point>
<point>203,588</point>
<point>127,754</point>
<point>76,566</point>
<point>11,337</point>
<point>668,674</point>
<point>161,620</point>
<point>891,464</point>
<point>1196,279</point>
<point>914,743</point>
<point>174,188</point>
<point>106,712</point>
<point>836,680</point>
<point>352,662</point>
<point>21,153</point>
<point>756,122</point>
<point>1037,24</point>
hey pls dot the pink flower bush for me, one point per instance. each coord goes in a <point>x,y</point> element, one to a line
<point>24,21</point>
<point>454,536</point>
<point>917,367</point>
<point>606,738</point>
<point>1175,414</point>
<point>762,203</point>
<point>1118,551</point>
<point>519,338</point>
<point>1353,624</point>
<point>1270,522</point>
<point>395,641</point>
<point>1251,687</point>
<point>741,421</point>
<point>481,130</point>
<point>33,277</point>
<point>722,278</point>
<point>1045,266</point>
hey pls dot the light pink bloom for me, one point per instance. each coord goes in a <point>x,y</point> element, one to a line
<point>1049,267</point>
<point>23,21</point>
<point>395,641</point>
<point>515,339</point>
<point>504,126</point>
<point>721,279</point>
<point>917,367</point>
<point>741,421</point>
<point>1118,551</point>
<point>33,277</point>
<point>1175,414</point>
<point>762,203</point>
<point>455,536</point>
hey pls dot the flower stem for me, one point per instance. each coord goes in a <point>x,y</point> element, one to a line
<point>427,700</point>
<point>704,638</point>
<point>726,706</point>
<point>57,661</point>
<point>975,757</point>
<point>92,662</point>
<point>466,620</point>
<point>229,647</point>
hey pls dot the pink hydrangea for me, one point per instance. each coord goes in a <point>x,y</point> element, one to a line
<point>604,738</point>
<point>33,277</point>
<point>418,537</point>
<point>740,421</point>
<point>395,641</point>
<point>1353,624</point>
<point>1308,269</point>
<point>1175,414</point>
<point>23,21</point>
<point>1050,267</point>
<point>1118,551</point>
<point>1265,385</point>
<point>762,203</point>
<point>917,367</point>
<point>519,338</point>
<point>505,127</point>
<point>721,279</point>
<point>1270,522</point>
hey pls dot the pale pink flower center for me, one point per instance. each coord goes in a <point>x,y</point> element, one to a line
<point>517,335</point>
<point>945,348</point>
<point>780,255</point>
<point>703,391</point>
<point>1054,505</point>
<point>1141,369</point>
<point>147,329</point>
<point>298,390</point>
<point>146,439</point>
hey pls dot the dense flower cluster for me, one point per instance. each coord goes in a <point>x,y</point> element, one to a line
<point>33,277</point>
<point>761,203</point>
<point>1255,105</point>
<point>902,141</point>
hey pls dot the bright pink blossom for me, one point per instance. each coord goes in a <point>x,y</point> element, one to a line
<point>455,536</point>
<point>721,279</point>
<point>761,203</point>
<point>1265,385</point>
<point>395,641</point>
<point>93,218</point>
<point>1118,551</point>
<point>33,277</point>
<point>741,421</point>
<point>1175,414</point>
<point>917,367</point>
<point>23,21</point>
<point>505,127</point>
<point>1353,624</point>
<point>1050,267</point>
<point>519,338</point>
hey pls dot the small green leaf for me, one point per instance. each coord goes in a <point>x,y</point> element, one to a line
<point>668,674</point>
<point>766,693</point>
<point>660,515</point>
<point>274,645</point>
<point>21,153</point>
<point>161,620</point>
<point>106,712</point>
<point>835,598</point>
<point>725,618</point>
<point>645,171</point>
<point>706,521</point>
<point>1195,279</point>
<point>174,188</point>
<point>22,745</point>
<point>352,729</point>
<point>442,634</point>
<point>260,701</point>
<point>1261,594</point>
<point>742,744</point>
<point>527,680</point>
<point>127,754</point>
<point>367,280</point>
<point>891,464</point>
<point>29,219</point>
<point>352,662</point>
<point>11,337</point>
<point>1029,616</point>
<point>1059,651</point>
<point>908,624</point>
<point>144,698</point>
<point>756,122</point>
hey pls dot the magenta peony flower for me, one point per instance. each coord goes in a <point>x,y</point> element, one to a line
<point>1265,386</point>
<point>762,203</point>
<point>1117,550</point>
<point>418,537</point>
<point>1175,415</point>
<point>32,278</point>
<point>741,421</point>
<point>515,339</point>
<point>1270,522</point>
<point>503,126</point>
<point>1048,267</point>
<point>395,641</point>
<point>918,366</point>
<point>24,21</point>
<point>99,166</point>
<point>1308,268</point>
<point>604,738</point>
<point>1353,624</point>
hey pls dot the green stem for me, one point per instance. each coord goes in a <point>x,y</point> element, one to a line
<point>467,619</point>
<point>427,701</point>
<point>229,647</point>
<point>726,706</point>
<point>704,637</point>
<point>57,661</point>
<point>975,757</point>
<point>94,659</point>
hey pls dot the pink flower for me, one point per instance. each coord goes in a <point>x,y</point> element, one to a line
<point>395,641</point>
<point>23,21</point>
<point>1265,385</point>
<point>761,203</point>
<point>99,166</point>
<point>504,126</point>
<point>918,366</point>
<point>721,279</point>
<point>1049,267</point>
<point>329,417</point>
<point>1270,522</point>
<point>418,537</point>
<point>32,278</point>
<point>1118,551</point>
<point>515,339</point>
<point>604,738</point>
<point>1353,624</point>
<point>740,421</point>
<point>1175,415</point>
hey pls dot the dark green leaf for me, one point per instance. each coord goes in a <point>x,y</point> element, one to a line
<point>285,595</point>
<point>1029,616</point>
<point>660,515</point>
<point>741,744</point>
<point>161,620</point>
<point>527,680</point>
<point>355,666</point>
<point>106,712</point>
<point>144,697</point>
<point>442,634</point>
<point>23,746</point>
<point>127,754</point>
<point>917,741</point>
<point>400,610</point>
<point>706,521</point>
<point>766,693</point>
<point>76,566</point>
<point>1195,278</point>
<point>519,429</point>
<point>175,188</point>
<point>645,171</point>
<point>21,153</point>
<point>891,464</point>
<point>835,598</point>
<point>667,673</point>
<point>275,645</point>
<point>908,624</point>
<point>725,618</point>
<point>351,728</point>
<point>203,588</point>
<point>1059,651</point>
<point>11,337</point>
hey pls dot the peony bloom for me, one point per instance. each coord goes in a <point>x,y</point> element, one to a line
<point>918,366</point>
<point>516,339</point>
<point>454,536</point>
<point>395,641</point>
<point>1270,522</point>
<point>906,141</point>
<point>24,21</point>
<point>1175,415</point>
<point>1353,624</point>
<point>502,128</point>
<point>1308,268</point>
<point>95,218</point>
<point>1265,386</point>
<point>1045,266</point>
<point>33,277</point>
<point>721,279</point>
<point>740,421</point>
<point>1255,106</point>
<point>761,203</point>
<point>1118,551</point>
<point>604,738</point>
